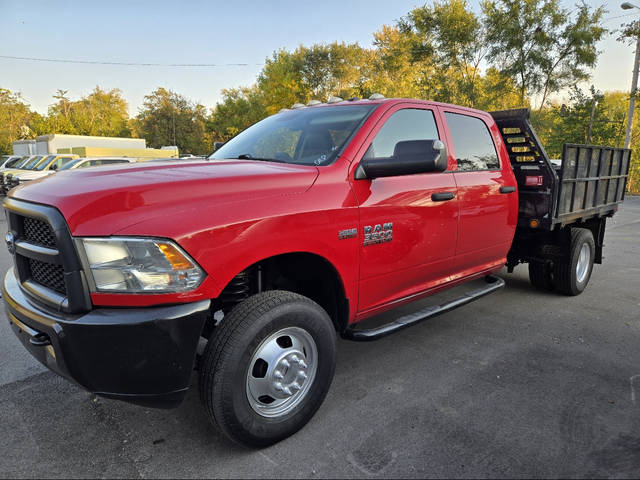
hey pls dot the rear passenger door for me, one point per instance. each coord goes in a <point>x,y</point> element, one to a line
<point>486,225</point>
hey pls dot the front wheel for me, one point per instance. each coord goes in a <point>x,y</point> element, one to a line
<point>572,276</point>
<point>268,367</point>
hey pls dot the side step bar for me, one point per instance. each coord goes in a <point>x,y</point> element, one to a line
<point>493,284</point>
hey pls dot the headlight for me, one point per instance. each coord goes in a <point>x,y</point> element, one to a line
<point>140,265</point>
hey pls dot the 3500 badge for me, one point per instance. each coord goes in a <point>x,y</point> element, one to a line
<point>378,233</point>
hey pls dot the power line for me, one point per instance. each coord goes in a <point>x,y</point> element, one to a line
<point>620,16</point>
<point>130,64</point>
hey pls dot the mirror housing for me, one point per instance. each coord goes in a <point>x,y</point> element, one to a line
<point>53,167</point>
<point>409,158</point>
<point>217,145</point>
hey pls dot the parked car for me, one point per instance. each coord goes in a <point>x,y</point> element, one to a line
<point>44,167</point>
<point>66,162</point>
<point>299,228</point>
<point>8,160</point>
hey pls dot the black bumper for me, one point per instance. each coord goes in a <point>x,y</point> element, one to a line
<point>140,355</point>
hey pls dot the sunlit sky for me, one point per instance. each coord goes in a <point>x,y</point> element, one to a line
<point>210,32</point>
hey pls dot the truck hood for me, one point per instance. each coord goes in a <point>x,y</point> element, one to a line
<point>103,201</point>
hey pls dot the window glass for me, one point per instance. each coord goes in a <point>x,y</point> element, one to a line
<point>60,162</point>
<point>71,164</point>
<point>43,163</point>
<point>472,143</point>
<point>306,136</point>
<point>110,162</point>
<point>32,162</point>
<point>404,125</point>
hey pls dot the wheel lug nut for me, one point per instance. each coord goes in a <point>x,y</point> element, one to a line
<point>278,386</point>
<point>287,390</point>
<point>285,363</point>
<point>295,386</point>
<point>295,359</point>
<point>278,374</point>
<point>302,374</point>
<point>302,364</point>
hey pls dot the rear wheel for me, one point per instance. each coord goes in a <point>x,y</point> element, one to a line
<point>540,275</point>
<point>268,367</point>
<point>572,275</point>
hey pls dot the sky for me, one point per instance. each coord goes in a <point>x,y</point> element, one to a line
<point>209,32</point>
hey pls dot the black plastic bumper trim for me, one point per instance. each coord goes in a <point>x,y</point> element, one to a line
<point>140,355</point>
<point>352,333</point>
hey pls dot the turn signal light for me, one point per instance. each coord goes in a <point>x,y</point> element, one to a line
<point>534,223</point>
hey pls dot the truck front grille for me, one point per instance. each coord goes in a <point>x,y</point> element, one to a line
<point>48,275</point>
<point>39,232</point>
<point>46,261</point>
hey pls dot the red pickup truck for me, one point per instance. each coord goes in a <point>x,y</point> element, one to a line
<point>247,264</point>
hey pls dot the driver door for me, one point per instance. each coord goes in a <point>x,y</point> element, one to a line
<point>419,231</point>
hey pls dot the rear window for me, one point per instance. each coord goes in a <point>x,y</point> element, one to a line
<point>472,143</point>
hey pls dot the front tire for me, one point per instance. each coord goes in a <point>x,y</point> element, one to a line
<point>267,367</point>
<point>572,276</point>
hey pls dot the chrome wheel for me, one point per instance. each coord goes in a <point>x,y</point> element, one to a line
<point>281,372</point>
<point>584,260</point>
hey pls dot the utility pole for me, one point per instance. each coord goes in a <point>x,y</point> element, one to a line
<point>634,83</point>
<point>594,103</point>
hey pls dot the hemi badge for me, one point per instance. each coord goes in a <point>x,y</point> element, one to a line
<point>348,233</point>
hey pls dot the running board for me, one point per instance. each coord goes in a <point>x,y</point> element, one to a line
<point>493,284</point>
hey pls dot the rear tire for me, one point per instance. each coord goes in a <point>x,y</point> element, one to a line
<point>572,275</point>
<point>540,276</point>
<point>267,367</point>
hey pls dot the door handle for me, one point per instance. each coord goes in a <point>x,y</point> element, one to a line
<point>507,189</point>
<point>442,196</point>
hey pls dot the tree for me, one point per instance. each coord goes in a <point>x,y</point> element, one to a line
<point>540,44</point>
<point>449,37</point>
<point>15,118</point>
<point>240,108</point>
<point>101,113</point>
<point>168,118</point>
<point>569,122</point>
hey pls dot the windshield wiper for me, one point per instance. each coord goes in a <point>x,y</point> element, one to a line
<point>248,156</point>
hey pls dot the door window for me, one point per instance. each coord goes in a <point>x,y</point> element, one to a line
<point>472,142</point>
<point>403,125</point>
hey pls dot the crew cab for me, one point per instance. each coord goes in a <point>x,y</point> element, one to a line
<point>247,264</point>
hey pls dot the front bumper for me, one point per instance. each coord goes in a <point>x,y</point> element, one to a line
<point>140,355</point>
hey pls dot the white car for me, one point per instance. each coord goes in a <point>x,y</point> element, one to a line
<point>15,179</point>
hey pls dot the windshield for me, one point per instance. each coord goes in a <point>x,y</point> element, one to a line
<point>306,136</point>
<point>23,162</point>
<point>70,164</point>
<point>44,162</point>
<point>31,163</point>
<point>13,163</point>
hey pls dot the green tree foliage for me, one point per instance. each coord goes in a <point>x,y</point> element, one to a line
<point>168,118</point>
<point>101,113</point>
<point>569,122</point>
<point>541,45</point>
<point>15,120</point>
<point>240,108</point>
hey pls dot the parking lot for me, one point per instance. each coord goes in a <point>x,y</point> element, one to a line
<point>518,384</point>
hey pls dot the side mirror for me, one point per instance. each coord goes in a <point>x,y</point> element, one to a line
<point>217,145</point>
<point>53,167</point>
<point>409,158</point>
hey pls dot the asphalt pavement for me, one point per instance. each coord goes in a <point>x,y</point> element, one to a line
<point>518,384</point>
